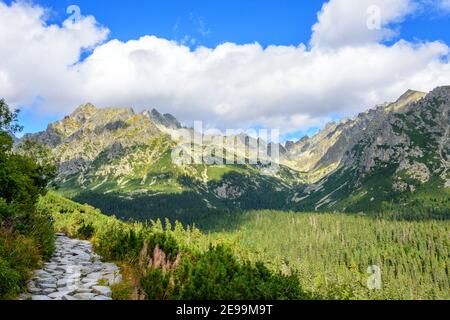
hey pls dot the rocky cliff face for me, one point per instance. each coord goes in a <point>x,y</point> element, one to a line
<point>80,138</point>
<point>164,120</point>
<point>324,152</point>
<point>394,153</point>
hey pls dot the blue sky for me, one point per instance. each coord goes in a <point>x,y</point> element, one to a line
<point>267,22</point>
<point>211,23</point>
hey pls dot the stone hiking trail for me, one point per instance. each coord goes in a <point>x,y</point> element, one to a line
<point>75,272</point>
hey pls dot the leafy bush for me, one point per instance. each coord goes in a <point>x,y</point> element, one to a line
<point>10,280</point>
<point>118,242</point>
<point>42,231</point>
<point>165,242</point>
<point>85,230</point>
<point>156,285</point>
<point>6,211</point>
<point>26,236</point>
<point>19,256</point>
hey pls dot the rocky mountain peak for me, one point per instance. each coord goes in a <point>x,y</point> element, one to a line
<point>410,93</point>
<point>84,111</point>
<point>167,120</point>
<point>405,99</point>
<point>443,91</point>
<point>289,145</point>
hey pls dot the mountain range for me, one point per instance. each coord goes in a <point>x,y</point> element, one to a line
<point>392,156</point>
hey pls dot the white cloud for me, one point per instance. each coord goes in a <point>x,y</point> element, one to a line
<point>230,86</point>
<point>36,58</point>
<point>359,22</point>
<point>445,4</point>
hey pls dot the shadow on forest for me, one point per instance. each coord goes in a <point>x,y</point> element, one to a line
<point>186,207</point>
<point>190,208</point>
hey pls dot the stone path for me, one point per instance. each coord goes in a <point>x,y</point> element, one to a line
<point>74,273</point>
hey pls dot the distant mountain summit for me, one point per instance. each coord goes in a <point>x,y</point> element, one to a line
<point>166,120</point>
<point>394,154</point>
<point>397,154</point>
<point>325,151</point>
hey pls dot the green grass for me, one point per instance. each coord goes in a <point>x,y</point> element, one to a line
<point>19,256</point>
<point>216,172</point>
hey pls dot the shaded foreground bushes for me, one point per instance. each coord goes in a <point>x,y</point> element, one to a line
<point>26,236</point>
<point>215,274</point>
<point>170,262</point>
<point>19,256</point>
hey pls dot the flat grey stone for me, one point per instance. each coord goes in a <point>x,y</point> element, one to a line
<point>83,290</point>
<point>89,285</point>
<point>56,295</point>
<point>61,268</point>
<point>111,266</point>
<point>48,290</point>
<point>95,275</point>
<point>50,266</point>
<point>84,296</point>
<point>64,282</point>
<point>67,290</point>
<point>89,280</point>
<point>84,257</point>
<point>46,285</point>
<point>40,273</point>
<point>102,290</point>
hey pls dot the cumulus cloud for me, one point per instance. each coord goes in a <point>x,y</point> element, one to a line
<point>361,22</point>
<point>36,59</point>
<point>230,86</point>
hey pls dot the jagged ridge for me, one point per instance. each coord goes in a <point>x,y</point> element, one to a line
<point>394,151</point>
